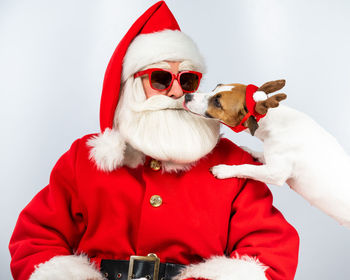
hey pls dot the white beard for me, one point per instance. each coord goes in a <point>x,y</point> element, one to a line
<point>160,128</point>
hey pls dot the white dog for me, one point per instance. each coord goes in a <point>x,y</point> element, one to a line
<point>296,149</point>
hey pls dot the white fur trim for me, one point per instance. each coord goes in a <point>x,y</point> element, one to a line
<point>224,268</point>
<point>107,149</point>
<point>150,48</point>
<point>259,96</point>
<point>66,267</point>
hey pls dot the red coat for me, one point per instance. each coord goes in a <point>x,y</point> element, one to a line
<point>109,215</point>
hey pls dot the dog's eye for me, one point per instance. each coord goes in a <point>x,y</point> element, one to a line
<point>216,101</point>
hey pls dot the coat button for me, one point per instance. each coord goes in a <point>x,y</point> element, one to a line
<point>156,200</point>
<point>155,165</point>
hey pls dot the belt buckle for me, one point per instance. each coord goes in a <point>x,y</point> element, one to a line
<point>151,258</point>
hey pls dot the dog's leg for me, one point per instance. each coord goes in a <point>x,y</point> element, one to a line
<point>275,174</point>
<point>255,154</point>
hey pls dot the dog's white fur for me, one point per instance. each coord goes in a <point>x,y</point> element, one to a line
<point>301,153</point>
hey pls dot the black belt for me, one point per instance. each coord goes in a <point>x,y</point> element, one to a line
<point>139,267</point>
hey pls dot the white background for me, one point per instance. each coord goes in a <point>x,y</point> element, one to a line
<point>53,55</point>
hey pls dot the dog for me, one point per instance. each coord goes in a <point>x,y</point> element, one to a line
<point>296,149</point>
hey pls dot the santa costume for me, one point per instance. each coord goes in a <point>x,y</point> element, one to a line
<point>112,196</point>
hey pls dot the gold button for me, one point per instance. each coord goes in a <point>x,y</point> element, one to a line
<point>156,200</point>
<point>155,165</point>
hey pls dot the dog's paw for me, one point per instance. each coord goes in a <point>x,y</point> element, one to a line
<point>223,171</point>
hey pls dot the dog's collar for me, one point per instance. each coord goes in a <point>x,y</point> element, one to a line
<point>241,127</point>
<point>250,105</point>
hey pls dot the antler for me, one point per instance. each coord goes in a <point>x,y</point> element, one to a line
<point>261,107</point>
<point>272,86</point>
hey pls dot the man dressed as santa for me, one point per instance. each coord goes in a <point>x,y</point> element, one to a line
<point>138,199</point>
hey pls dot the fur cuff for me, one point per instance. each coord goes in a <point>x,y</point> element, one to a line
<point>66,267</point>
<point>224,268</point>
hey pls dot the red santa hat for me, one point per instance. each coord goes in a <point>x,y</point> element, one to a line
<point>155,36</point>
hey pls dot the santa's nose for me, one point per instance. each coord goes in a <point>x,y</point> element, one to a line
<point>176,90</point>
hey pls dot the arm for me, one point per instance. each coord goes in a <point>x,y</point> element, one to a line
<point>49,229</point>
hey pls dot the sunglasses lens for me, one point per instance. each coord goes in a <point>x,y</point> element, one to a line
<point>161,79</point>
<point>189,81</point>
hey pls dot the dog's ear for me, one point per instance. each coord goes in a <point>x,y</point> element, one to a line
<point>272,86</point>
<point>262,107</point>
<point>252,124</point>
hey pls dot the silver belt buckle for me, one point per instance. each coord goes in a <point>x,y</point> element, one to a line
<point>151,258</point>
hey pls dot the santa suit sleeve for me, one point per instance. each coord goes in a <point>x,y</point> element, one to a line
<point>48,229</point>
<point>261,245</point>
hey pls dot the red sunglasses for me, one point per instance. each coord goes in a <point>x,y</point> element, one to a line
<point>161,79</point>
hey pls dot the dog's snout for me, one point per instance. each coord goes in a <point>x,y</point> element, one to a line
<point>196,102</point>
<point>188,97</point>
